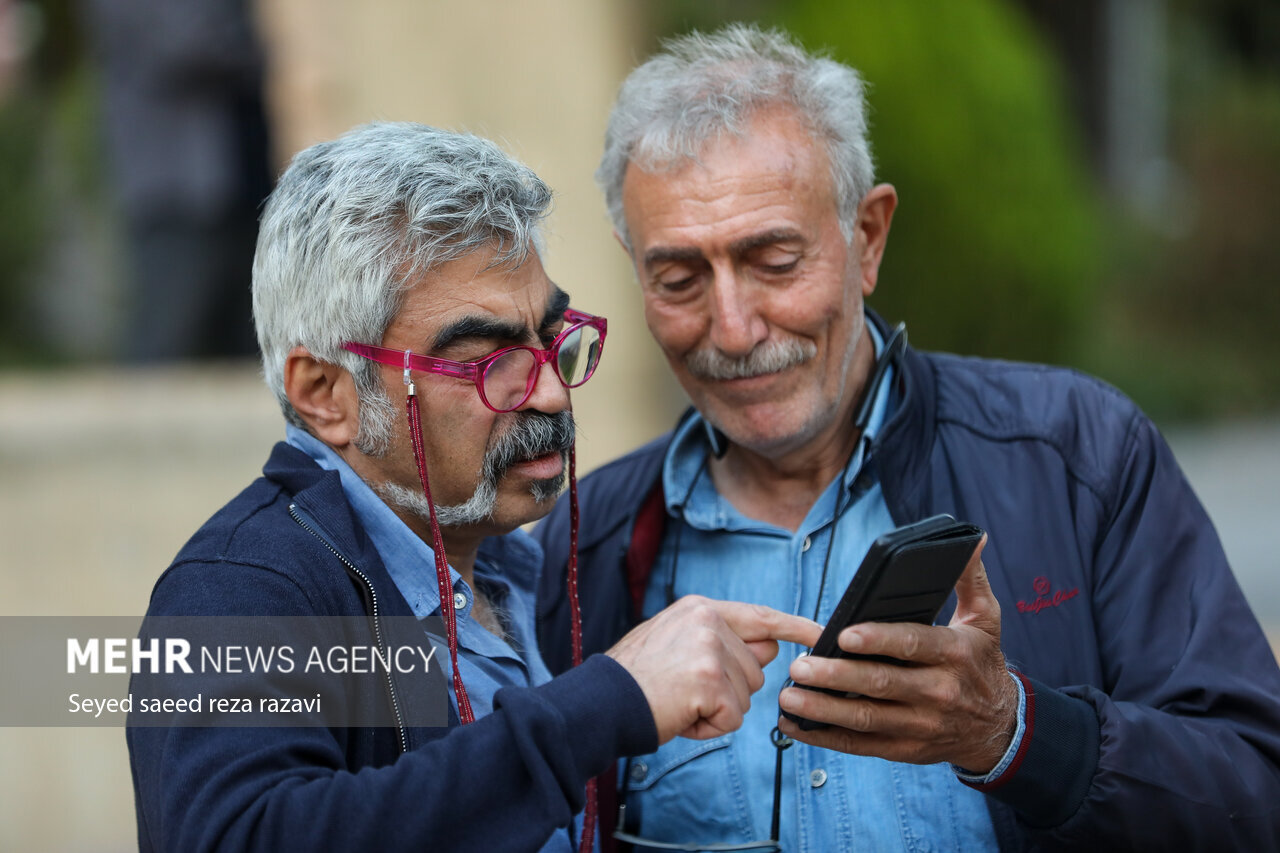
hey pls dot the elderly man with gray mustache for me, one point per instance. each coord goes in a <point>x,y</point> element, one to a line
<point>1099,681</point>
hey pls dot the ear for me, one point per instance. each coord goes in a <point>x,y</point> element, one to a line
<point>324,395</point>
<point>871,232</point>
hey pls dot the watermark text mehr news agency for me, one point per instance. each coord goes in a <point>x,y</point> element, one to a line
<point>121,655</point>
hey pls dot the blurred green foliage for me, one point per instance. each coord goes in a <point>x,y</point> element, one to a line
<point>996,247</point>
<point>49,159</point>
<point>22,215</point>
<point>1189,328</point>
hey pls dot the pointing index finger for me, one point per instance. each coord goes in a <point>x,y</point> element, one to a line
<point>755,622</point>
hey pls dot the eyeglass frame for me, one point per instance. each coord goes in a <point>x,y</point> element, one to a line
<point>474,371</point>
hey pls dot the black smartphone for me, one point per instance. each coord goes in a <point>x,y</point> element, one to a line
<point>905,577</point>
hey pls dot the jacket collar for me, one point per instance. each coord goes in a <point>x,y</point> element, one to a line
<point>318,494</point>
<point>900,452</point>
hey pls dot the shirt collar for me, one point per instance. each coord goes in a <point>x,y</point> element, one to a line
<point>409,560</point>
<point>682,471</point>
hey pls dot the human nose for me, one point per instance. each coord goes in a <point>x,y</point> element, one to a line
<point>549,394</point>
<point>736,324</point>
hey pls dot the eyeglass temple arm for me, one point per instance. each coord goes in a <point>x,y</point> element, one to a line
<point>423,363</point>
<point>574,316</point>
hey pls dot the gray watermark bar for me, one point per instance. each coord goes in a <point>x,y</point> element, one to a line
<point>220,671</point>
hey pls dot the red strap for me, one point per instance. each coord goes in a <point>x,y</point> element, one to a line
<point>465,714</point>
<point>575,634</point>
<point>575,608</point>
<point>646,539</point>
<point>608,808</point>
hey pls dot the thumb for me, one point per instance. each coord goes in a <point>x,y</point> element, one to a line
<point>976,604</point>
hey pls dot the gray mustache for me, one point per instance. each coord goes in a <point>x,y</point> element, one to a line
<point>533,434</point>
<point>768,357</point>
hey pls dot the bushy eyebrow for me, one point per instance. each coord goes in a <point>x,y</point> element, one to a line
<point>768,238</point>
<point>557,304</point>
<point>664,254</point>
<point>481,327</point>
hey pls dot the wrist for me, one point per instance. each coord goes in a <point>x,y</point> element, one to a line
<point>997,756</point>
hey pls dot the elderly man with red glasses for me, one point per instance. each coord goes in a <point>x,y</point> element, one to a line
<point>422,359</point>
<point>1100,683</point>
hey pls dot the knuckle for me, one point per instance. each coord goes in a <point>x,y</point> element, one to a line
<point>935,729</point>
<point>911,644</point>
<point>705,674</point>
<point>879,679</point>
<point>704,636</point>
<point>947,693</point>
<point>955,651</point>
<point>704,613</point>
<point>860,717</point>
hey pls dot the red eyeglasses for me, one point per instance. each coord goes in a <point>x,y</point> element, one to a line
<point>506,379</point>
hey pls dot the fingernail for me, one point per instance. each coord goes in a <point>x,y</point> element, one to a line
<point>851,641</point>
<point>801,669</point>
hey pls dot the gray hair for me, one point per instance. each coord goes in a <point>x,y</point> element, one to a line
<point>353,221</point>
<point>703,85</point>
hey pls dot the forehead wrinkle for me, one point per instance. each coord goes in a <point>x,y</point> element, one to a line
<point>691,229</point>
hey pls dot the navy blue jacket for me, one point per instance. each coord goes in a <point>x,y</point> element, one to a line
<point>289,545</point>
<point>1154,704</point>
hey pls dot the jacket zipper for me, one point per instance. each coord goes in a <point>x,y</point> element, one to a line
<point>377,627</point>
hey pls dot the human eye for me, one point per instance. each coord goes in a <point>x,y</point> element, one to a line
<point>676,285</point>
<point>676,280</point>
<point>547,336</point>
<point>776,260</point>
<point>472,351</point>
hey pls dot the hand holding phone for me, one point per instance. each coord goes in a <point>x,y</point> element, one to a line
<point>906,576</point>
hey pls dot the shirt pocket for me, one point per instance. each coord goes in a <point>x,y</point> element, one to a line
<point>689,791</point>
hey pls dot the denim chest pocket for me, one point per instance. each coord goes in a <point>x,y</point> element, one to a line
<point>689,791</point>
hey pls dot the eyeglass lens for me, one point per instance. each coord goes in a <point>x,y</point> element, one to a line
<point>509,380</point>
<point>578,354</point>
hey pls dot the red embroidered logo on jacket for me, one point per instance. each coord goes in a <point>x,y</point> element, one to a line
<point>1042,587</point>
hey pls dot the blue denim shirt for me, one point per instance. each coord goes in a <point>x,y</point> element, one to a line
<point>486,661</point>
<point>720,791</point>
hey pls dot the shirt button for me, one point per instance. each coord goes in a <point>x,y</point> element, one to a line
<point>639,770</point>
<point>459,601</point>
<point>818,778</point>
<point>808,543</point>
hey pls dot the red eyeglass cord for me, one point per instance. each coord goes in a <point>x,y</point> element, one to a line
<point>465,714</point>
